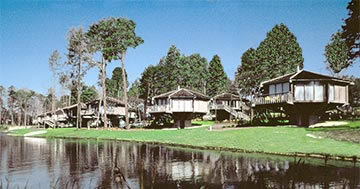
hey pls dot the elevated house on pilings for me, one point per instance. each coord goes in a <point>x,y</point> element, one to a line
<point>182,104</point>
<point>303,95</point>
<point>62,117</point>
<point>94,113</point>
<point>228,106</point>
<point>91,114</point>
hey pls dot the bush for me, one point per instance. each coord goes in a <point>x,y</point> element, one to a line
<point>3,127</point>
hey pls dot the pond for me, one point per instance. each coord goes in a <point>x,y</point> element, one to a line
<point>65,163</point>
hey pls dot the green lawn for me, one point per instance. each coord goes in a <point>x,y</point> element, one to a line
<point>346,132</point>
<point>276,140</point>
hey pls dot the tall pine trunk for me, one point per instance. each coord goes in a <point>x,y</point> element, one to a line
<point>12,115</point>
<point>1,114</point>
<point>103,67</point>
<point>78,116</point>
<point>19,118</point>
<point>53,105</point>
<point>125,92</point>
<point>24,117</point>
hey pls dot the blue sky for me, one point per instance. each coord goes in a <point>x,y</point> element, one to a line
<point>31,30</point>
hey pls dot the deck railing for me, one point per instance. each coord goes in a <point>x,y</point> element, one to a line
<point>158,108</point>
<point>274,99</point>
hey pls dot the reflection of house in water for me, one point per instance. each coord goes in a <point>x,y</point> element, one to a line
<point>229,106</point>
<point>182,104</point>
<point>303,95</point>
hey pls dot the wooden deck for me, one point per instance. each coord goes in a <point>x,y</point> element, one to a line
<point>274,99</point>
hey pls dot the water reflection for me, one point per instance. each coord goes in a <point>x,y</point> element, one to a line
<point>57,163</point>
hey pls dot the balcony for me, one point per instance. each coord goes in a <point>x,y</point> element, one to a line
<point>158,108</point>
<point>274,99</point>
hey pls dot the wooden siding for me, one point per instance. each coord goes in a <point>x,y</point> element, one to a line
<point>180,105</point>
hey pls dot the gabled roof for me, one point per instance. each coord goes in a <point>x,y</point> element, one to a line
<point>109,100</point>
<point>303,75</point>
<point>226,96</point>
<point>182,93</point>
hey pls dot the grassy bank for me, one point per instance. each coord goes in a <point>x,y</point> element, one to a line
<point>3,127</point>
<point>272,140</point>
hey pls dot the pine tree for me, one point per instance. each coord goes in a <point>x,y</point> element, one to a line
<point>246,71</point>
<point>217,79</point>
<point>279,53</point>
<point>337,53</point>
<point>351,30</point>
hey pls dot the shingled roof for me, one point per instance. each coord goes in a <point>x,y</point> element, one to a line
<point>182,93</point>
<point>226,96</point>
<point>303,75</point>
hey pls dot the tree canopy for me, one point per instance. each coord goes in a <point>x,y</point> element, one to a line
<point>114,85</point>
<point>337,53</point>
<point>279,53</point>
<point>246,71</point>
<point>351,30</point>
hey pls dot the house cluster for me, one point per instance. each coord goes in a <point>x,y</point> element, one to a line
<point>91,114</point>
<point>304,96</point>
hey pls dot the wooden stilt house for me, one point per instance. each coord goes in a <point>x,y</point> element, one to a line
<point>182,104</point>
<point>303,95</point>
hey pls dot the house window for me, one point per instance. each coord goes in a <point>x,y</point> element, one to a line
<point>319,92</point>
<point>299,92</point>
<point>285,87</point>
<point>309,91</point>
<point>272,89</point>
<point>331,93</point>
<point>278,88</point>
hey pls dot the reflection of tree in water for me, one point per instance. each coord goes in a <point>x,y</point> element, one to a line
<point>91,164</point>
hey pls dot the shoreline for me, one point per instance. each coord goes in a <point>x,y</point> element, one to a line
<point>325,156</point>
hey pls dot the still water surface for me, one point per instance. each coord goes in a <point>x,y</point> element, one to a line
<point>61,163</point>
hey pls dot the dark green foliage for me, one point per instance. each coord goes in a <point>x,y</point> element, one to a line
<point>217,79</point>
<point>337,53</point>
<point>351,30</point>
<point>246,72</point>
<point>172,71</point>
<point>149,82</point>
<point>168,74</point>
<point>354,93</point>
<point>195,73</point>
<point>88,93</point>
<point>279,53</point>
<point>114,85</point>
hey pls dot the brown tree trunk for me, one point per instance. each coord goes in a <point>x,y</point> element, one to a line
<point>78,116</point>
<point>53,105</point>
<point>24,117</point>
<point>19,118</point>
<point>103,77</point>
<point>125,92</point>
<point>0,114</point>
<point>12,116</point>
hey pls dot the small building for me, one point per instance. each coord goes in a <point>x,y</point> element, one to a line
<point>229,106</point>
<point>303,95</point>
<point>182,104</point>
<point>115,112</point>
